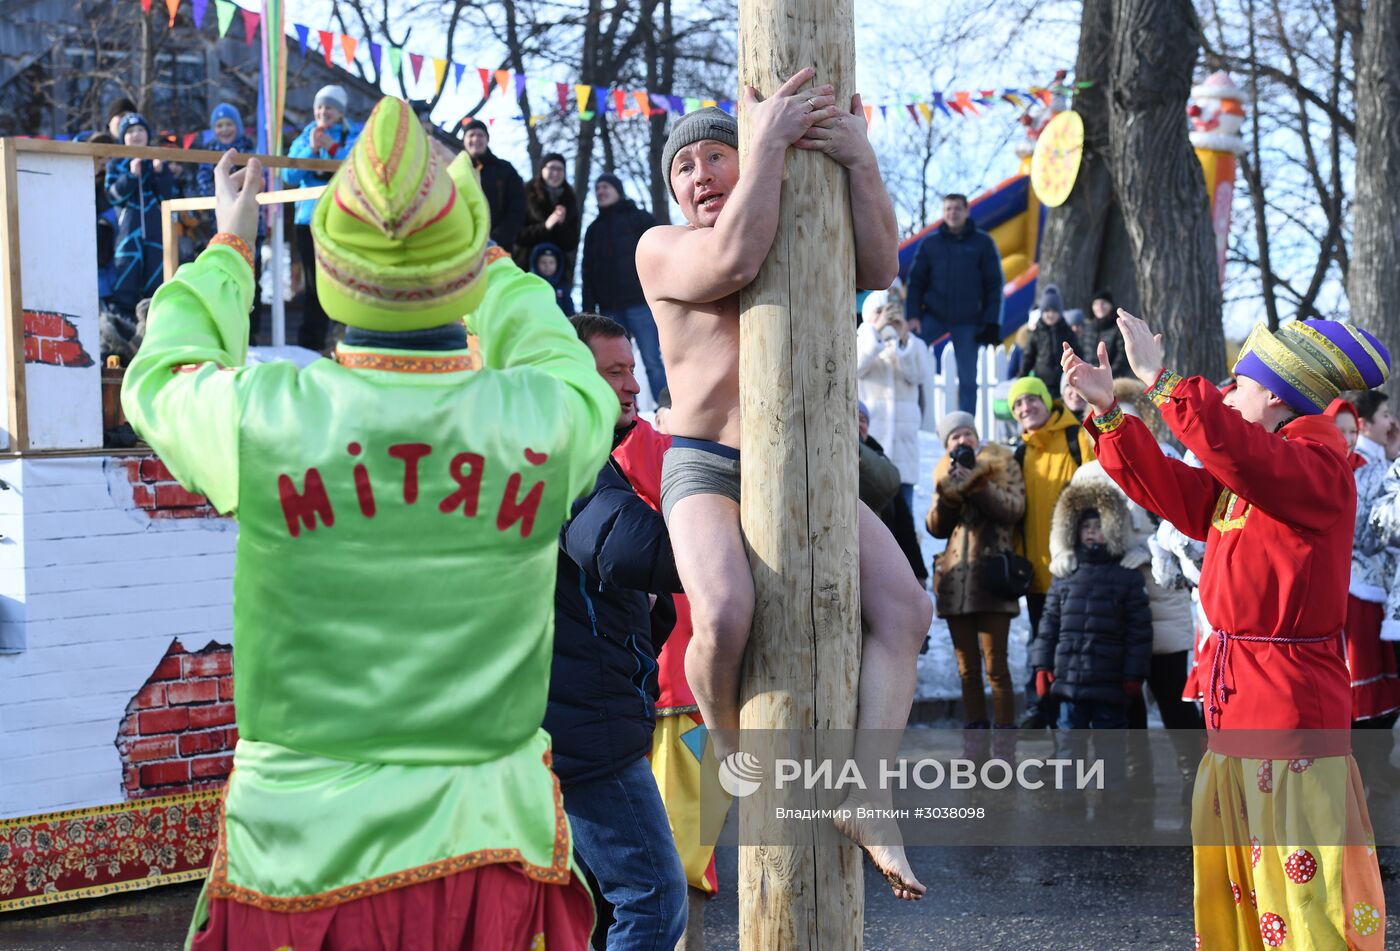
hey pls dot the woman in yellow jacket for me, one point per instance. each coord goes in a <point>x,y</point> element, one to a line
<point>1053,445</point>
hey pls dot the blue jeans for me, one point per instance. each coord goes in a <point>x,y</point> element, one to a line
<point>622,834</point>
<point>641,327</point>
<point>963,338</point>
<point>1106,724</point>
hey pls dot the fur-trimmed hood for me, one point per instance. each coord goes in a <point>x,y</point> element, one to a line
<point>1089,493</point>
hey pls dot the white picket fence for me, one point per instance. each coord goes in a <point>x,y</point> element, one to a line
<point>942,397</point>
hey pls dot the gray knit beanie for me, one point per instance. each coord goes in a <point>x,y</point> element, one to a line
<point>952,421</point>
<point>711,122</point>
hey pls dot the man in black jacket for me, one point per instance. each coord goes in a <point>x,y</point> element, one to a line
<point>610,283</point>
<point>955,287</point>
<point>602,689</point>
<point>500,182</point>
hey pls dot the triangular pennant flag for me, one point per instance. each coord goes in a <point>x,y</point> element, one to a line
<point>707,103</point>
<point>691,103</point>
<point>677,104</point>
<point>643,104</point>
<point>940,105</point>
<point>172,6</point>
<point>619,99</point>
<point>503,80</point>
<point>459,70</point>
<point>561,92</point>
<point>986,96</point>
<point>146,7</point>
<point>224,10</point>
<point>658,104</point>
<point>964,99</point>
<point>485,75</point>
<point>869,115</point>
<point>1012,97</point>
<point>189,139</point>
<point>200,6</point>
<point>439,74</point>
<point>250,25</point>
<point>519,86</point>
<point>348,45</point>
<point>415,60</point>
<point>395,60</point>
<point>376,56</point>
<point>727,105</point>
<point>885,113</point>
<point>303,34</point>
<point>327,42</point>
<point>581,93</point>
<point>926,111</point>
<point>912,114</point>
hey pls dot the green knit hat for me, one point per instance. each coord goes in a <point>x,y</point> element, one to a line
<point>1033,385</point>
<point>400,239</point>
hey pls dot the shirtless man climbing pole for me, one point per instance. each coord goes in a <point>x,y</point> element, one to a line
<point>692,275</point>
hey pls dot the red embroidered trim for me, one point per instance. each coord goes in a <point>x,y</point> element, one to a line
<point>235,242</point>
<point>557,874</point>
<point>495,253</point>
<point>400,363</point>
<point>383,294</point>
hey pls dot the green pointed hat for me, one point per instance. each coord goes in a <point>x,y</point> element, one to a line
<point>400,239</point>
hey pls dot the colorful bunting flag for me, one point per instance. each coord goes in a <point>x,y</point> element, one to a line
<point>677,105</point>
<point>964,99</point>
<point>415,60</point>
<point>926,112</point>
<point>561,92</point>
<point>146,7</point>
<point>912,114</point>
<point>376,55</point>
<point>303,34</point>
<point>503,80</point>
<point>395,61</point>
<point>581,93</point>
<point>439,74</point>
<point>485,75</point>
<point>224,10</point>
<point>869,115</point>
<point>250,25</point>
<point>327,42</point>
<point>643,104</point>
<point>940,105</point>
<point>348,45</point>
<point>459,70</point>
<point>519,86</point>
<point>172,6</point>
<point>200,7</point>
<point>619,99</point>
<point>691,103</point>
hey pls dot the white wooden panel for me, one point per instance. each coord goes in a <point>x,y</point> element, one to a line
<point>58,241</point>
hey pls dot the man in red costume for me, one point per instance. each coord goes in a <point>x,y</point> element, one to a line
<point>1282,838</point>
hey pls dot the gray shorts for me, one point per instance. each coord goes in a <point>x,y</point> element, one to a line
<point>697,467</point>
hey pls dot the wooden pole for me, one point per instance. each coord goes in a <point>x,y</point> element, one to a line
<point>799,509</point>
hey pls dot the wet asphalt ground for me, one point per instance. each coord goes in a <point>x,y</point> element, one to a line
<point>1070,899</point>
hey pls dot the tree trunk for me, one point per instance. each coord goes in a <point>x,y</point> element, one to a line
<point>1373,285</point>
<point>1084,248</point>
<point>1159,183</point>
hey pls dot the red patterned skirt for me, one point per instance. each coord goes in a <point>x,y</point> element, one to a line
<point>490,908</point>
<point>1375,686</point>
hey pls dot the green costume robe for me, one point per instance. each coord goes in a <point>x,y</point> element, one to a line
<point>393,591</point>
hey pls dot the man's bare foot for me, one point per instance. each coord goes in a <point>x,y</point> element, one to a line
<point>880,839</point>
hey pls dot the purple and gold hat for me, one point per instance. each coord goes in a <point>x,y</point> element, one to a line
<point>1309,362</point>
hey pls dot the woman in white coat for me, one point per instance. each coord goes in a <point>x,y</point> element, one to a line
<point>891,362</point>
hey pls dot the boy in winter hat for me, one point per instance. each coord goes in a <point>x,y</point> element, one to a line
<point>1093,648</point>
<point>547,261</point>
<point>225,132</point>
<point>1047,339</point>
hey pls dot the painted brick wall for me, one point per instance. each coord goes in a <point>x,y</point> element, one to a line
<point>178,733</point>
<point>155,491</point>
<point>51,338</point>
<point>106,590</point>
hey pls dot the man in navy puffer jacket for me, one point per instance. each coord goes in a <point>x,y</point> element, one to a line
<point>614,554</point>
